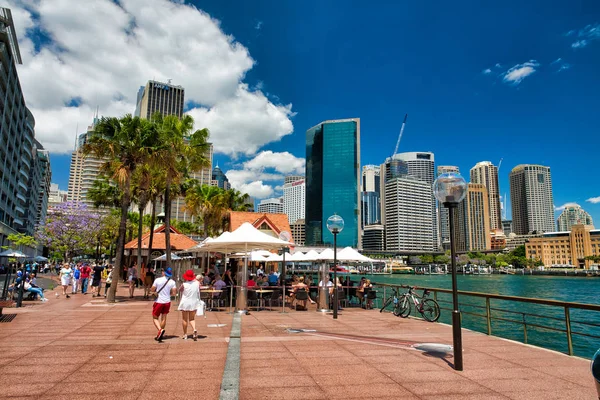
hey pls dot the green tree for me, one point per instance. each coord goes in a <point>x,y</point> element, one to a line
<point>205,201</point>
<point>104,193</point>
<point>20,240</point>
<point>125,143</point>
<point>180,151</point>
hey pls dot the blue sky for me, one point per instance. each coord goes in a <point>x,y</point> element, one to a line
<point>380,60</point>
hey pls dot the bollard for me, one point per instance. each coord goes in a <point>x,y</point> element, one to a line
<point>595,366</point>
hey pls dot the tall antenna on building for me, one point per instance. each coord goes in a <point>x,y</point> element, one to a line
<point>400,135</point>
<point>76,130</point>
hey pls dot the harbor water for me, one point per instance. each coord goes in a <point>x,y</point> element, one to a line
<point>570,289</point>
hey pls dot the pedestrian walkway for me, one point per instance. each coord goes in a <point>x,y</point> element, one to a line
<point>81,348</point>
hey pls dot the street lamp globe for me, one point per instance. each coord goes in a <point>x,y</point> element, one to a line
<point>335,223</point>
<point>450,188</point>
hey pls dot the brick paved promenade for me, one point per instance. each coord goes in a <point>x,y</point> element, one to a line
<point>82,348</point>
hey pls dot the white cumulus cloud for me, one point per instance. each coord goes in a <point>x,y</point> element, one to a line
<point>98,55</point>
<point>594,200</point>
<point>516,74</point>
<point>561,208</point>
<point>263,175</point>
<point>486,71</point>
<point>585,35</point>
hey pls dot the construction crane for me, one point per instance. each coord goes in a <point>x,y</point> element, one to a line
<point>500,164</point>
<point>400,136</point>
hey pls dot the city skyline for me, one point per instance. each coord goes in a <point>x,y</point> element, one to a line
<point>502,90</point>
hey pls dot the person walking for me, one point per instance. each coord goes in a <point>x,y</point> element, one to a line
<point>188,303</point>
<point>132,278</point>
<point>163,287</point>
<point>66,273</point>
<point>148,280</point>
<point>85,277</point>
<point>109,278</point>
<point>76,278</point>
<point>97,280</point>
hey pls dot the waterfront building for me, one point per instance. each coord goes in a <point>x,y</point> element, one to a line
<point>292,179</point>
<point>333,181</point>
<point>570,248</point>
<point>24,165</point>
<point>513,240</point>
<point>299,232</point>
<point>294,199</point>
<point>507,227</point>
<point>160,97</point>
<point>220,179</point>
<point>271,206</point>
<point>497,240</point>
<point>419,165</point>
<point>443,213</point>
<point>473,215</point>
<point>370,209</point>
<point>408,215</point>
<point>531,199</point>
<point>573,215</point>
<point>486,173</point>
<point>374,237</point>
<point>271,224</point>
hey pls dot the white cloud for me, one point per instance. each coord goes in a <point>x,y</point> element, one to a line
<point>585,36</point>
<point>594,200</point>
<point>561,208</point>
<point>560,64</point>
<point>486,71</point>
<point>516,74</point>
<point>101,54</point>
<point>258,25</point>
<point>263,175</point>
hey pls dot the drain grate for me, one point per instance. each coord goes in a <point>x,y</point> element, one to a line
<point>7,317</point>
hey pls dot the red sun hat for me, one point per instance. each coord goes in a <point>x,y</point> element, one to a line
<point>189,275</point>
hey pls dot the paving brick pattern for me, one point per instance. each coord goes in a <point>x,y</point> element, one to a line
<point>82,348</point>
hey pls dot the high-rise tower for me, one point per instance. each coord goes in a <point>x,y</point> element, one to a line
<point>485,173</point>
<point>333,181</point>
<point>162,97</point>
<point>573,215</point>
<point>531,199</point>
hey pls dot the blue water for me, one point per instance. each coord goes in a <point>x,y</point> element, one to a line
<point>571,289</point>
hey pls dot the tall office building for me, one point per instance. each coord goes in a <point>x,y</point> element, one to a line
<point>294,199</point>
<point>160,97</point>
<point>473,220</point>
<point>333,181</point>
<point>56,196</point>
<point>292,179</point>
<point>573,215</point>
<point>84,170</point>
<point>409,215</point>
<point>442,212</point>
<point>271,206</point>
<point>485,173</point>
<point>24,165</point>
<point>371,181</point>
<point>220,179</point>
<point>419,165</point>
<point>507,227</point>
<point>531,199</point>
<point>371,195</point>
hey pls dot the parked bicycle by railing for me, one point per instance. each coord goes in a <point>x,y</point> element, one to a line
<point>393,299</point>
<point>428,308</point>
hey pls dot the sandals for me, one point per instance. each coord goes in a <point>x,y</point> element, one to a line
<point>184,337</point>
<point>195,337</point>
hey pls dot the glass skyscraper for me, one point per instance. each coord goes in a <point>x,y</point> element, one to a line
<point>333,181</point>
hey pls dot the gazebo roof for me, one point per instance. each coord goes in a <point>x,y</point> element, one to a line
<point>179,241</point>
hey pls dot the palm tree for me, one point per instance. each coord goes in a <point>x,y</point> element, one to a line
<point>125,143</point>
<point>179,151</point>
<point>234,200</point>
<point>141,184</point>
<point>205,201</point>
<point>104,193</point>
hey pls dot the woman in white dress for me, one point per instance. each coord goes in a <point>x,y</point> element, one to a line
<point>66,274</point>
<point>189,299</point>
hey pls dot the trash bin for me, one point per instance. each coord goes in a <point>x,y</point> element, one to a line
<point>596,371</point>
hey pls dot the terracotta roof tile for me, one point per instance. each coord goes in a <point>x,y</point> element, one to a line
<point>179,241</point>
<point>277,222</point>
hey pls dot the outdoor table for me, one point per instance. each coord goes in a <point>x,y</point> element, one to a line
<point>211,297</point>
<point>261,291</point>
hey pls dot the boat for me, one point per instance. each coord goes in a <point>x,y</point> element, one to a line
<point>402,269</point>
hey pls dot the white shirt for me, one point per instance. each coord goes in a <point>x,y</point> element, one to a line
<point>329,284</point>
<point>164,296</point>
<point>259,272</point>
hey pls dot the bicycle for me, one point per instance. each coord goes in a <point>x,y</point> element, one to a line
<point>428,308</point>
<point>395,298</point>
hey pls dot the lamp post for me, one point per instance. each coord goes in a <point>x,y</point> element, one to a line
<point>335,224</point>
<point>450,189</point>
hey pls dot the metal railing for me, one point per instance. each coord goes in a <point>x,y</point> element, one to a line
<point>546,315</point>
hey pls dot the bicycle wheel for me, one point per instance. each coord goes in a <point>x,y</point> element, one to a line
<point>403,307</point>
<point>387,303</point>
<point>430,310</point>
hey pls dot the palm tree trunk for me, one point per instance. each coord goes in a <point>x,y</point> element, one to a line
<point>125,202</point>
<point>152,222</point>
<point>168,219</point>
<point>140,230</point>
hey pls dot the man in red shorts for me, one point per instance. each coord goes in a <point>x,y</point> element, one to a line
<point>163,287</point>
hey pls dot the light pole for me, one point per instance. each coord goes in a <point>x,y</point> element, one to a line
<point>450,189</point>
<point>335,224</point>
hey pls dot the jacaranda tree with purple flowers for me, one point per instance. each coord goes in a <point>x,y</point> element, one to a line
<point>71,228</point>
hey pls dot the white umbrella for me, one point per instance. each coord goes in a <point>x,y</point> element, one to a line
<point>256,255</point>
<point>349,254</point>
<point>164,257</point>
<point>326,255</point>
<point>311,255</point>
<point>13,254</point>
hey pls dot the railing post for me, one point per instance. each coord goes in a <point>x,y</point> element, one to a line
<point>524,329</point>
<point>230,299</point>
<point>435,295</point>
<point>569,336</point>
<point>488,314</point>
<point>384,298</point>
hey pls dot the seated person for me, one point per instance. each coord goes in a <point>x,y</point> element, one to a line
<point>218,285</point>
<point>262,281</point>
<point>360,291</point>
<point>368,284</point>
<point>251,282</point>
<point>300,285</point>
<point>273,279</point>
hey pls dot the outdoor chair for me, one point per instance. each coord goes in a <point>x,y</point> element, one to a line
<point>222,300</point>
<point>342,299</point>
<point>372,295</point>
<point>302,295</point>
<point>252,299</point>
<point>275,297</point>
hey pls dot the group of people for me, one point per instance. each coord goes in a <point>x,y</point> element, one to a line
<point>81,276</point>
<point>28,280</point>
